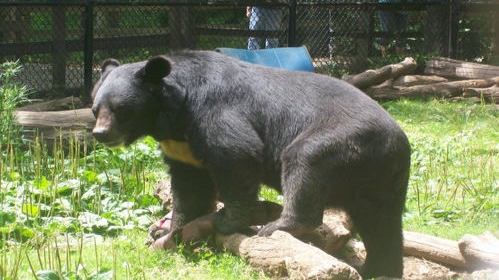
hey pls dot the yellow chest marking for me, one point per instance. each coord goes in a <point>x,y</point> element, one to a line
<point>180,151</point>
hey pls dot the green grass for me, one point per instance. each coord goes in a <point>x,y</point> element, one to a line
<point>121,257</point>
<point>454,184</point>
<point>75,214</point>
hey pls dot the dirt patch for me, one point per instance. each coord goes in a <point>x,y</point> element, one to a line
<point>417,269</point>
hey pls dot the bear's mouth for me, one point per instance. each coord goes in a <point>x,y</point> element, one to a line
<point>114,145</point>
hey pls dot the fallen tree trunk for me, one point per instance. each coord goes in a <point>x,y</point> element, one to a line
<point>68,125</point>
<point>439,90</point>
<point>67,103</point>
<point>480,251</point>
<point>378,76</point>
<point>458,69</point>
<point>277,255</point>
<point>281,255</point>
<point>331,236</point>
<point>433,248</point>
<point>334,232</point>
<point>471,252</point>
<point>413,80</point>
<point>490,94</point>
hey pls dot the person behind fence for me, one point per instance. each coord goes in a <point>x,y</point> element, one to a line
<point>393,22</point>
<point>263,18</point>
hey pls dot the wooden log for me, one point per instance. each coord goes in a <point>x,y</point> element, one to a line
<point>413,80</point>
<point>68,125</point>
<point>67,103</point>
<point>369,77</point>
<point>490,94</point>
<point>458,69</point>
<point>331,236</point>
<point>278,255</point>
<point>480,251</point>
<point>433,248</point>
<point>353,253</point>
<point>377,76</point>
<point>334,232</point>
<point>440,90</point>
<point>282,255</point>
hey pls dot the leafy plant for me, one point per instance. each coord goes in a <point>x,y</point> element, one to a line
<point>11,95</point>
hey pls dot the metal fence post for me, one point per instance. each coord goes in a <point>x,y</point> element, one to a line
<point>88,48</point>
<point>453,27</point>
<point>292,23</point>
<point>59,45</point>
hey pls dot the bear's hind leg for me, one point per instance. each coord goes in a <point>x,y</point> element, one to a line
<point>381,233</point>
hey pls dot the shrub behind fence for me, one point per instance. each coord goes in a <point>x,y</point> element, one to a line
<point>61,43</point>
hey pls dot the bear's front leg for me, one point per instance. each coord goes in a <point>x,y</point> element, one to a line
<point>238,188</point>
<point>233,155</point>
<point>194,194</point>
<point>203,227</point>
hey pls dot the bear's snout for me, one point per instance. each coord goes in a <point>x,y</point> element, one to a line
<point>105,131</point>
<point>101,134</point>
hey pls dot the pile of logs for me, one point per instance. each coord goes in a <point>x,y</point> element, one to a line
<point>330,252</point>
<point>444,78</point>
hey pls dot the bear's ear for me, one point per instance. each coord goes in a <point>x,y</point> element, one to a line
<point>156,69</point>
<point>109,64</point>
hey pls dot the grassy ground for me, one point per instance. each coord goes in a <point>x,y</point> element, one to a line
<point>77,215</point>
<point>454,185</point>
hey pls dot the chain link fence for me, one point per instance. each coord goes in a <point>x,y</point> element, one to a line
<point>61,44</point>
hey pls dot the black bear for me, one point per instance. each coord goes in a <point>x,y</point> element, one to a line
<point>226,126</point>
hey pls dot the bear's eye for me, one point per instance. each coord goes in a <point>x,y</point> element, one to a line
<point>95,112</point>
<point>122,113</point>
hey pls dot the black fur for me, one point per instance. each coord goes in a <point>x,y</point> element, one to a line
<point>318,140</point>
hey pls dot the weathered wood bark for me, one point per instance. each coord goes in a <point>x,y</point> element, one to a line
<point>413,80</point>
<point>458,69</point>
<point>354,253</point>
<point>334,232</point>
<point>440,90</point>
<point>480,251</point>
<point>433,248</point>
<point>471,252</point>
<point>377,76</point>
<point>74,125</point>
<point>283,255</point>
<point>490,94</point>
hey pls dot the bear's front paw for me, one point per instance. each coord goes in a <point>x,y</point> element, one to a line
<point>159,229</point>
<point>196,230</point>
<point>168,241</point>
<point>268,229</point>
<point>291,226</point>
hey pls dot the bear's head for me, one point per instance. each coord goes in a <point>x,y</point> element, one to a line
<point>127,100</point>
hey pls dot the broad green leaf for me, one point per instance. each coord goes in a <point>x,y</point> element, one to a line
<point>47,275</point>
<point>30,209</point>
<point>102,275</point>
<point>41,183</point>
